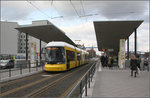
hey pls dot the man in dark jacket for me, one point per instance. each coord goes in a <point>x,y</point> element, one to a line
<point>133,65</point>
<point>102,60</point>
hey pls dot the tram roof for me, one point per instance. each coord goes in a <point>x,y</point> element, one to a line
<point>62,44</point>
<point>46,33</point>
<point>109,33</point>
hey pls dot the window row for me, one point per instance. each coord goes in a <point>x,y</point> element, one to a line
<point>70,55</point>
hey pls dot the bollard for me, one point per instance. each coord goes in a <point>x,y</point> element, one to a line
<point>9,72</point>
<point>91,75</point>
<point>42,66</point>
<point>29,67</point>
<point>21,69</point>
<point>81,89</point>
<point>89,79</point>
<point>36,65</point>
<point>86,85</point>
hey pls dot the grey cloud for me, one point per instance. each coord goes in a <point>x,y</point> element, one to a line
<point>107,9</point>
<point>15,10</point>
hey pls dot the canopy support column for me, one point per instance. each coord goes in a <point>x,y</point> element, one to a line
<point>26,46</point>
<point>135,42</point>
<point>40,51</point>
<point>128,48</point>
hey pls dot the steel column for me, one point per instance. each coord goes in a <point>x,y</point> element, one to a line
<point>128,48</point>
<point>135,42</point>
<point>40,52</point>
<point>26,46</point>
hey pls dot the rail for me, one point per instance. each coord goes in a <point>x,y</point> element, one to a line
<point>88,78</point>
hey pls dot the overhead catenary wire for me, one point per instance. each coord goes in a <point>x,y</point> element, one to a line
<point>74,8</point>
<point>38,8</point>
<point>52,5</point>
<point>83,11</point>
<point>82,7</point>
<point>42,11</point>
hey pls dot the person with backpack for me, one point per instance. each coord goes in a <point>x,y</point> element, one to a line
<point>133,65</point>
<point>102,58</point>
<point>138,64</point>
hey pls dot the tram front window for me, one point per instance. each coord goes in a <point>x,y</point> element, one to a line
<point>55,55</point>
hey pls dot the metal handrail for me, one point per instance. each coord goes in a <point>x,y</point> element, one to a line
<point>17,68</point>
<point>91,70</point>
<point>21,68</point>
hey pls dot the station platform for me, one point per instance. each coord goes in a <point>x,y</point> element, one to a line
<point>116,83</point>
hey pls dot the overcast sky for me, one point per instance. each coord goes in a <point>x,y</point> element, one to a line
<point>76,18</point>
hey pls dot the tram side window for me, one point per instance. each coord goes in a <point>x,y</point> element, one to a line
<point>78,56</point>
<point>70,55</point>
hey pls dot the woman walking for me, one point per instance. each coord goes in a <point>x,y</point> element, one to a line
<point>133,65</point>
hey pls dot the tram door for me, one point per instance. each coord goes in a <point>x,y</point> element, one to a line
<point>68,59</point>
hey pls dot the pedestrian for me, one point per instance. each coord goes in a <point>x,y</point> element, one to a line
<point>138,63</point>
<point>112,62</point>
<point>148,62</point>
<point>102,60</point>
<point>133,65</point>
<point>145,64</point>
<point>106,61</point>
<point>109,62</point>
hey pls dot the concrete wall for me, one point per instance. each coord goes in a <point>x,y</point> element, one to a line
<point>41,22</point>
<point>8,38</point>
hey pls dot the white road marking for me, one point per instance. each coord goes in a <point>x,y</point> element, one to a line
<point>45,75</point>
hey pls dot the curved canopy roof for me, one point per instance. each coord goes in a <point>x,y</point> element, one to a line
<point>46,33</point>
<point>109,33</point>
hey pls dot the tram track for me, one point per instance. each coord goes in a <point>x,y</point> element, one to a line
<point>64,94</point>
<point>47,86</point>
<point>62,87</point>
<point>20,82</point>
<point>25,86</point>
<point>11,82</point>
<point>43,89</point>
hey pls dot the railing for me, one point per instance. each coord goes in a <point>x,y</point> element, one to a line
<point>84,82</point>
<point>20,67</point>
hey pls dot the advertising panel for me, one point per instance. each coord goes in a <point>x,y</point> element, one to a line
<point>33,54</point>
<point>122,54</point>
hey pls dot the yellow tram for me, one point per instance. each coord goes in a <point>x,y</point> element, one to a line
<point>61,56</point>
